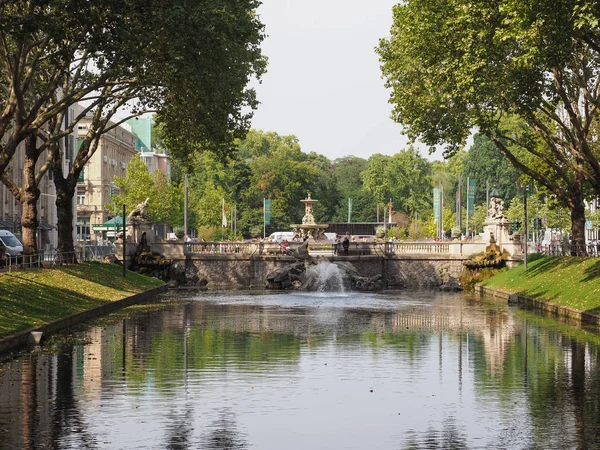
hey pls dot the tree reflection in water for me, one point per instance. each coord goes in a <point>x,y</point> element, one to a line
<point>436,371</point>
<point>222,434</point>
<point>448,438</point>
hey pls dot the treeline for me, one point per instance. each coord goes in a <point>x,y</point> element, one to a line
<point>268,165</point>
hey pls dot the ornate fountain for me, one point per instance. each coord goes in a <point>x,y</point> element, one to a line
<point>309,229</point>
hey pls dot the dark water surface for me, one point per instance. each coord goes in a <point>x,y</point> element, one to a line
<point>308,371</point>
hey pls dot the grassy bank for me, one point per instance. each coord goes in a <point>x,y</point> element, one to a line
<point>566,281</point>
<point>32,298</point>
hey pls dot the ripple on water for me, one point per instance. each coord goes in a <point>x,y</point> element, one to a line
<point>306,370</point>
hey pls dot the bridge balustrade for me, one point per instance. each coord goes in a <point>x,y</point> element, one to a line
<point>221,247</point>
<point>403,248</point>
<point>355,248</point>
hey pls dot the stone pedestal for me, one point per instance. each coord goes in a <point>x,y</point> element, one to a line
<point>136,229</point>
<point>498,229</point>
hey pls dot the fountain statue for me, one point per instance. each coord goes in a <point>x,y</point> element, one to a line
<point>309,229</point>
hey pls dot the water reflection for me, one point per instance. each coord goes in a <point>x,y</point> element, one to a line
<point>405,371</point>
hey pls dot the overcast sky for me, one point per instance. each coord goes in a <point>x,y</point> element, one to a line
<point>323,82</point>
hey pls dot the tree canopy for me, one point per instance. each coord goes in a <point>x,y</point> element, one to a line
<point>453,65</point>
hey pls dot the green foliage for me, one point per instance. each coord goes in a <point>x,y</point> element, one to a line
<point>484,162</point>
<point>478,218</point>
<point>404,177</point>
<point>138,184</point>
<point>209,233</point>
<point>470,277</point>
<point>505,68</point>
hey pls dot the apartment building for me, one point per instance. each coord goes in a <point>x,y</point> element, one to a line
<point>142,128</point>
<point>94,203</point>
<point>10,207</point>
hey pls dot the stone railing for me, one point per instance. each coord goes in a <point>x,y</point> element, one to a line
<point>403,248</point>
<point>247,248</point>
<point>178,250</point>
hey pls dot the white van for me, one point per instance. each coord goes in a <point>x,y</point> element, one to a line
<point>11,243</point>
<point>280,236</point>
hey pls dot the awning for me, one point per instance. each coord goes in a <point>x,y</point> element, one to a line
<point>110,225</point>
<point>45,226</point>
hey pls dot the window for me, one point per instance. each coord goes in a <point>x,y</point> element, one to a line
<point>83,228</point>
<point>81,196</point>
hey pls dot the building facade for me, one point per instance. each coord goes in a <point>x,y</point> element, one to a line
<point>93,197</point>
<point>10,207</point>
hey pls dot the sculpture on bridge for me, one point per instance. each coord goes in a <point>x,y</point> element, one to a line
<point>139,226</point>
<point>496,209</point>
<point>139,212</point>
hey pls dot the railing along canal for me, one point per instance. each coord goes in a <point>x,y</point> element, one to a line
<point>53,258</point>
<point>354,248</point>
<point>403,248</point>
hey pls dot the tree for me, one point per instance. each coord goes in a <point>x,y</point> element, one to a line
<point>346,172</point>
<point>483,163</point>
<point>42,45</point>
<point>455,65</point>
<point>138,184</point>
<point>195,80</point>
<point>404,177</point>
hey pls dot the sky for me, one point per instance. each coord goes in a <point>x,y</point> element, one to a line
<point>323,82</point>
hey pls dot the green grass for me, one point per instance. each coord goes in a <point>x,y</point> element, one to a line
<point>566,281</point>
<point>32,298</point>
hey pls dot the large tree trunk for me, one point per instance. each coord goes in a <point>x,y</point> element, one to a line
<point>29,198</point>
<point>577,209</point>
<point>65,190</point>
<point>64,208</point>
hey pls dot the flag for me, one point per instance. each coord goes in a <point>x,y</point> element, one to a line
<point>470,196</point>
<point>437,206</point>
<point>267,211</point>
<point>349,209</point>
<point>224,221</point>
<point>390,217</point>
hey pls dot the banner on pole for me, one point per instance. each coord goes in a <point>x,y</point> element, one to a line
<point>268,211</point>
<point>470,196</point>
<point>349,210</point>
<point>437,205</point>
<point>224,216</point>
<point>390,215</point>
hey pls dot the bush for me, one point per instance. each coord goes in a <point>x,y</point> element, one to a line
<point>256,231</point>
<point>470,277</point>
<point>209,233</point>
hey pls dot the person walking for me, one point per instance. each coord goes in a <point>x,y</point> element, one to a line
<point>346,245</point>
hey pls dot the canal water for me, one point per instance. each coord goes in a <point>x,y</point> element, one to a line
<point>406,370</point>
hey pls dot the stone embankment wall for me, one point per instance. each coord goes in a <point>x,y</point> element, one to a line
<point>563,313</point>
<point>245,271</point>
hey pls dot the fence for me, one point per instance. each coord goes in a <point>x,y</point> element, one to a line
<point>53,258</point>
<point>566,249</point>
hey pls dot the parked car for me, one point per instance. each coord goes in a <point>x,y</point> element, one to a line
<point>11,244</point>
<point>280,236</point>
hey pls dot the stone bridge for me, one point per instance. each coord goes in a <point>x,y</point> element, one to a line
<point>246,264</point>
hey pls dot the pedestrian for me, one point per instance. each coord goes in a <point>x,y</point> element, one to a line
<point>346,245</point>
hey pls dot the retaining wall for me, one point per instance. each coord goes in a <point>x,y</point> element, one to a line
<point>249,271</point>
<point>556,311</point>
